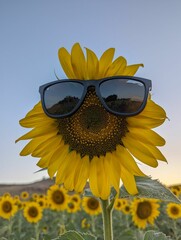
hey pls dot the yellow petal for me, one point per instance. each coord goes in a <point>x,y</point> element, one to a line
<point>44,161</point>
<point>36,120</point>
<point>146,136</point>
<point>71,173</point>
<point>65,61</point>
<point>153,110</point>
<point>155,151</point>
<point>127,161</point>
<point>37,109</point>
<point>132,69</point>
<point>105,61</point>
<point>139,151</point>
<point>144,122</point>
<point>78,62</point>
<point>55,160</point>
<point>92,64</point>
<point>82,174</point>
<point>129,181</point>
<point>63,167</point>
<point>38,132</point>
<point>93,181</point>
<point>112,164</point>
<point>32,145</point>
<point>117,67</point>
<point>47,146</point>
<point>103,180</point>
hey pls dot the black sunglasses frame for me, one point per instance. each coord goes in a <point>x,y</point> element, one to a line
<point>96,83</point>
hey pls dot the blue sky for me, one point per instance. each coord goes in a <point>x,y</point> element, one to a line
<point>31,32</point>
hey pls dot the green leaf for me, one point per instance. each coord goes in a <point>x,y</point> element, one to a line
<point>148,188</point>
<point>152,235</point>
<point>73,235</point>
<point>87,236</point>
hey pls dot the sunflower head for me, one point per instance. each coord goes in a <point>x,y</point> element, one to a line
<point>57,198</point>
<point>94,144</point>
<point>32,212</point>
<point>91,205</point>
<point>173,210</point>
<point>144,211</point>
<point>8,208</point>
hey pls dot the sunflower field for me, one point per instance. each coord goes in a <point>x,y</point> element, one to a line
<point>58,214</point>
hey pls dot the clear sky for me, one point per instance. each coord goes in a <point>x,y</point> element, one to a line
<point>31,32</point>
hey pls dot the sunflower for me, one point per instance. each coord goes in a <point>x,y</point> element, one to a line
<point>91,205</point>
<point>119,203</point>
<point>173,210</point>
<point>76,198</point>
<point>144,211</point>
<point>34,196</point>
<point>85,223</point>
<point>24,195</point>
<point>57,197</point>
<point>126,209</point>
<point>42,201</point>
<point>176,190</point>
<point>72,207</point>
<point>32,212</point>
<point>8,208</point>
<point>7,194</point>
<point>104,152</point>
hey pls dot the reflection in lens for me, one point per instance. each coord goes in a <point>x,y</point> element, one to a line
<point>61,98</point>
<point>123,95</point>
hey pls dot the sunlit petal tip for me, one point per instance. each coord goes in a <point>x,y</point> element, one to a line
<point>65,61</point>
<point>129,181</point>
<point>79,67</point>
<point>130,70</point>
<point>105,61</point>
<point>92,64</point>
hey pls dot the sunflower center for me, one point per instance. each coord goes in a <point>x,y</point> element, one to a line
<point>93,204</point>
<point>33,212</point>
<point>6,207</point>
<point>174,210</point>
<point>92,130</point>
<point>71,205</point>
<point>75,199</point>
<point>144,210</point>
<point>118,204</point>
<point>58,197</point>
<point>127,209</point>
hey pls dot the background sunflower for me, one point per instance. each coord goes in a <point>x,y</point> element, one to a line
<point>144,211</point>
<point>32,212</point>
<point>7,207</point>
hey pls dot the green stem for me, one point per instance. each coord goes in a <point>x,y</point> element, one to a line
<point>37,231</point>
<point>10,225</point>
<point>93,223</point>
<point>175,230</point>
<point>107,219</point>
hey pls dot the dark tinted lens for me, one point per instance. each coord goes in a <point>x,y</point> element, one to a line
<point>61,98</point>
<point>123,95</point>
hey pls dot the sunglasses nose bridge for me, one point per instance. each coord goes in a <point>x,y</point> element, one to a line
<point>92,84</point>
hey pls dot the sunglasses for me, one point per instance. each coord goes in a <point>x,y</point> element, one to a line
<point>120,95</point>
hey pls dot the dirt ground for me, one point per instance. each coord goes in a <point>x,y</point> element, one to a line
<point>35,187</point>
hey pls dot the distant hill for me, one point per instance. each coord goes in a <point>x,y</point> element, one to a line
<point>35,187</point>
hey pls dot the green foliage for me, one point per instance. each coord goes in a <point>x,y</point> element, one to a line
<point>148,188</point>
<point>152,235</point>
<point>73,235</point>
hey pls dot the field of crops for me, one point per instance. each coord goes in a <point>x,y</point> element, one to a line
<point>52,215</point>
